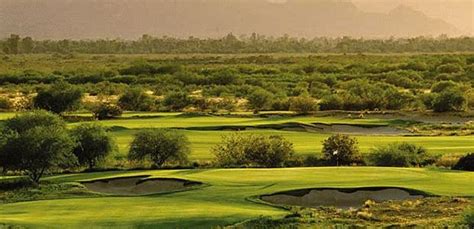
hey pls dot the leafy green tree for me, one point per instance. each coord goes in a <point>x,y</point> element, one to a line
<point>238,150</point>
<point>93,144</point>
<point>303,104</point>
<point>159,146</point>
<point>135,99</point>
<point>27,45</point>
<point>106,111</point>
<point>12,44</point>
<point>259,99</point>
<point>177,100</point>
<point>341,149</point>
<point>58,98</point>
<point>400,155</point>
<point>449,100</point>
<point>465,163</point>
<point>36,143</point>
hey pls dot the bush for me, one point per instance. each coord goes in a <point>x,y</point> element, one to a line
<point>303,104</point>
<point>400,155</point>
<point>449,68</point>
<point>5,104</point>
<point>468,218</point>
<point>449,100</point>
<point>465,163</point>
<point>58,98</point>
<point>36,143</point>
<point>341,149</point>
<point>93,144</point>
<point>331,102</point>
<point>159,146</point>
<point>238,150</point>
<point>106,111</point>
<point>177,101</point>
<point>259,99</point>
<point>135,99</point>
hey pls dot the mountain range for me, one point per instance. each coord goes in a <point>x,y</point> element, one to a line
<point>129,19</point>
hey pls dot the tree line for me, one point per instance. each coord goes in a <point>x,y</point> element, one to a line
<point>230,43</point>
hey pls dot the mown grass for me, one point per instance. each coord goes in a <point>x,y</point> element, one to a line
<point>224,200</point>
<point>306,143</point>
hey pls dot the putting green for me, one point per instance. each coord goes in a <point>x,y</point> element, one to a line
<point>223,201</point>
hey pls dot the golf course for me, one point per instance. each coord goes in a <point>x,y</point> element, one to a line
<point>227,196</point>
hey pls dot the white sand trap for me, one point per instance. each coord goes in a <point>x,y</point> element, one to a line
<point>138,185</point>
<point>342,198</point>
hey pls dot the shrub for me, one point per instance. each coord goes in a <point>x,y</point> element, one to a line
<point>449,68</point>
<point>449,100</point>
<point>331,102</point>
<point>159,146</point>
<point>400,155</point>
<point>5,104</point>
<point>93,144</point>
<point>259,99</point>
<point>177,101</point>
<point>106,111</point>
<point>36,143</point>
<point>303,104</point>
<point>468,218</point>
<point>58,98</point>
<point>465,163</point>
<point>341,149</point>
<point>238,150</point>
<point>135,99</point>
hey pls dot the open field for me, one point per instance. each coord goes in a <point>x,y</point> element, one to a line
<point>223,200</point>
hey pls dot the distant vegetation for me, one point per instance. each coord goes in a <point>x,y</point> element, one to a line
<point>304,84</point>
<point>232,44</point>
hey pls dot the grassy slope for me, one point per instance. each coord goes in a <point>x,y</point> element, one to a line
<point>224,200</point>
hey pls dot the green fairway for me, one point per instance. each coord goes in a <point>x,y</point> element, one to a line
<point>223,200</point>
<point>311,143</point>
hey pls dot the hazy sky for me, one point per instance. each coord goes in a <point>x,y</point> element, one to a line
<point>460,13</point>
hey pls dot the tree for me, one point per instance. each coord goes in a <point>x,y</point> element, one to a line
<point>400,155</point>
<point>259,100</point>
<point>106,111</point>
<point>36,143</point>
<point>93,144</point>
<point>177,101</point>
<point>159,146</point>
<point>341,149</point>
<point>303,104</point>
<point>135,99</point>
<point>58,98</point>
<point>449,100</point>
<point>27,45</point>
<point>12,44</point>
<point>465,163</point>
<point>239,150</point>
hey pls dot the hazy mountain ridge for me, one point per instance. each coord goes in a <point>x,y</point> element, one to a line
<point>57,19</point>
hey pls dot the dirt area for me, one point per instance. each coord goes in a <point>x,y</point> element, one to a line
<point>138,185</point>
<point>340,198</point>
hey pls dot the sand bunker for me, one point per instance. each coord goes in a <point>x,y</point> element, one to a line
<point>354,129</point>
<point>340,198</point>
<point>138,185</point>
<point>362,130</point>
